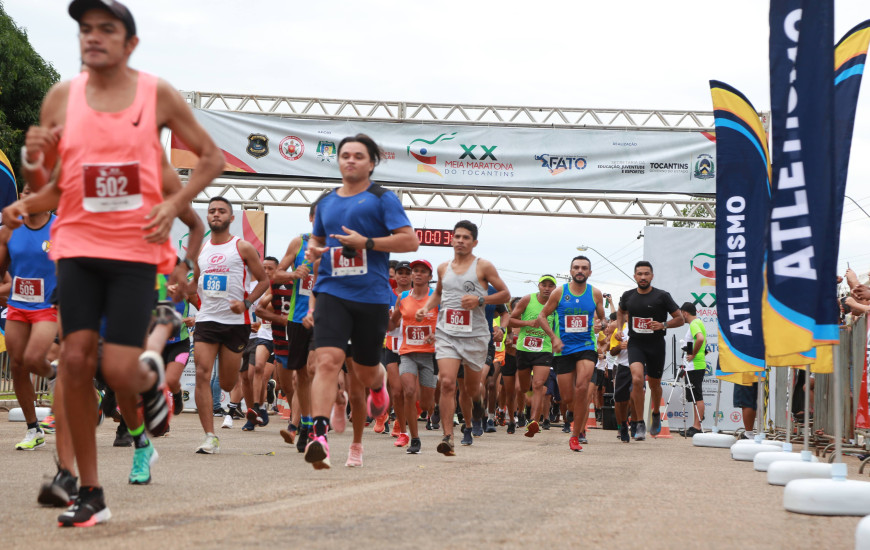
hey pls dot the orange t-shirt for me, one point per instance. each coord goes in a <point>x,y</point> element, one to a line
<point>414,333</point>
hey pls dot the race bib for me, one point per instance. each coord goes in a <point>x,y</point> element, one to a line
<point>111,187</point>
<point>641,325</point>
<point>28,290</point>
<point>577,323</point>
<point>533,343</point>
<point>457,320</point>
<point>416,335</point>
<point>342,266</point>
<point>306,284</point>
<point>214,286</point>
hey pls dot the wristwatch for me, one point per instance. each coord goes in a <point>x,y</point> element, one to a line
<point>247,303</point>
<point>189,263</point>
<point>370,244</point>
<point>480,301</point>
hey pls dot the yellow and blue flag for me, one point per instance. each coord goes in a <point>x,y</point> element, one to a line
<point>8,188</point>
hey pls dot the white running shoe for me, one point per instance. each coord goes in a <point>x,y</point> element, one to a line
<point>34,438</point>
<point>228,422</point>
<point>210,446</point>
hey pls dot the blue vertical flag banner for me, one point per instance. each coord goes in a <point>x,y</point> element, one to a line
<point>8,189</point>
<point>798,304</point>
<point>743,190</point>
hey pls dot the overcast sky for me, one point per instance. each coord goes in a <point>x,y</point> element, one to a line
<point>630,54</point>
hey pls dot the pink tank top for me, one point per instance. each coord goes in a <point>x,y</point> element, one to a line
<point>110,178</point>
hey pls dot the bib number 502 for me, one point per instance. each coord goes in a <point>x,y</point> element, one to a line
<point>111,186</point>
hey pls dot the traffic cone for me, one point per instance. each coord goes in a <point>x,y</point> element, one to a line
<point>666,431</point>
<point>590,419</point>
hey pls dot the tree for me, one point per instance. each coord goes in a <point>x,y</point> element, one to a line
<point>698,213</point>
<point>26,78</point>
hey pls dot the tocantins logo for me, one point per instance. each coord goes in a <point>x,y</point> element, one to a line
<point>420,149</point>
<point>705,168</point>
<point>258,145</point>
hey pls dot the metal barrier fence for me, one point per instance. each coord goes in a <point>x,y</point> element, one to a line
<point>7,391</point>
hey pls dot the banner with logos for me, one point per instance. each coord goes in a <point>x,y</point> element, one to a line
<point>684,264</point>
<point>798,305</point>
<point>442,155</point>
<point>743,199</point>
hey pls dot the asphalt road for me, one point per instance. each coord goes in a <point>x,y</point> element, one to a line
<point>504,491</point>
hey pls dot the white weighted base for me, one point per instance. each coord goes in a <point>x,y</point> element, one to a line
<point>16,415</point>
<point>762,461</point>
<point>780,473</point>
<point>746,452</point>
<point>827,497</point>
<point>862,534</point>
<point>723,441</point>
<point>763,442</point>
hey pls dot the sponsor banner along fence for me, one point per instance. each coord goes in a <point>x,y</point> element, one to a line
<point>542,159</point>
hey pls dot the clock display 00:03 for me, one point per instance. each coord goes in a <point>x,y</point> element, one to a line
<point>435,237</point>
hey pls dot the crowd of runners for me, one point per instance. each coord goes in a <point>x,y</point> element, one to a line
<point>100,302</point>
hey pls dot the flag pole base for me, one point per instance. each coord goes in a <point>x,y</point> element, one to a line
<point>827,497</point>
<point>781,473</point>
<point>746,451</point>
<point>862,534</point>
<point>720,440</point>
<point>762,461</point>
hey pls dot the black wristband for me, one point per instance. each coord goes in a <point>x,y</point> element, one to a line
<point>247,303</point>
<point>370,244</point>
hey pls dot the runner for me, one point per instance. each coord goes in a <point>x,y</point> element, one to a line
<point>576,303</point>
<point>509,373</point>
<point>102,129</point>
<point>417,352</point>
<point>391,361</point>
<point>223,322</point>
<point>31,320</point>
<point>646,309</point>
<point>462,334</point>
<point>534,346</point>
<point>356,226</point>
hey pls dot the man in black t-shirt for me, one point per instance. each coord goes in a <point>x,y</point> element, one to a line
<point>646,311</point>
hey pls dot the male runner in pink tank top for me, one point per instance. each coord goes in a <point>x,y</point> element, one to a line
<point>101,130</point>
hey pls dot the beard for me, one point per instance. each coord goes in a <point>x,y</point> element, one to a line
<point>579,278</point>
<point>643,285</point>
<point>219,227</point>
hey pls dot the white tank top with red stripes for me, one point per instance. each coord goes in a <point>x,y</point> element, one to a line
<point>223,276</point>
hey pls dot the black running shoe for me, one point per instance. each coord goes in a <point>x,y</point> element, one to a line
<point>302,438</point>
<point>60,491</point>
<point>623,434</point>
<point>154,402</point>
<point>235,413</point>
<point>177,404</point>
<point>122,437</point>
<point>511,428</point>
<point>633,428</point>
<point>476,428</point>
<point>263,415</point>
<point>88,509</point>
<point>467,438</point>
<point>490,426</point>
<point>656,424</point>
<point>414,447</point>
<point>270,391</point>
<point>429,424</point>
<point>545,425</point>
<point>692,431</point>
<point>436,417</point>
<point>566,428</point>
<point>521,420</point>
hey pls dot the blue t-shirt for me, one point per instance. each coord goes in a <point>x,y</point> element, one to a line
<point>376,212</point>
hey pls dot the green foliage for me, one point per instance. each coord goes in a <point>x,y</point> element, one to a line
<point>24,80</point>
<point>699,213</point>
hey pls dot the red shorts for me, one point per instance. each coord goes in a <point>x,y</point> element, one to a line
<point>32,316</point>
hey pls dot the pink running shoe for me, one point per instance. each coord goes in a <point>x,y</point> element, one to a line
<point>338,416</point>
<point>402,440</point>
<point>317,453</point>
<point>379,401</point>
<point>354,456</point>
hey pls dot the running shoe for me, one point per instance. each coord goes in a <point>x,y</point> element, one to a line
<point>500,417</point>
<point>396,430</point>
<point>270,391</point>
<point>177,404</point>
<point>211,445</point>
<point>566,428</point>
<point>402,440</point>
<point>263,419</point>
<point>623,434</point>
<point>122,437</point>
<point>166,314</point>
<point>521,419</point>
<point>34,438</point>
<point>467,438</point>
<point>143,459</point>
<point>436,418</point>
<point>338,415</point>
<point>249,426</point>
<point>317,453</point>
<point>304,437</point>
<point>428,424</point>
<point>747,435</point>
<point>88,509</point>
<point>640,434</point>
<point>490,426</point>
<point>219,412</point>
<point>692,431</point>
<point>378,402</point>
<point>60,491</point>
<point>574,444</point>
<point>156,407</point>
<point>446,446</point>
<point>252,420</point>
<point>47,424</point>
<point>354,456</point>
<point>545,425</point>
<point>476,428</point>
<point>512,427</point>
<point>656,424</point>
<point>380,423</point>
<point>532,429</point>
<point>235,412</point>
<point>289,434</point>
<point>582,438</point>
<point>228,423</point>
<point>633,428</point>
<point>414,447</point>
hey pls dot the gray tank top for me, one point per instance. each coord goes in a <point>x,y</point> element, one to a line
<point>452,318</point>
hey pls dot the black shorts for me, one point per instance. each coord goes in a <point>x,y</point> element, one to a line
<point>510,365</point>
<point>299,339</point>
<point>566,364</point>
<point>490,357</point>
<point>90,289</point>
<point>232,337</point>
<point>339,320</point>
<point>598,378</point>
<point>622,384</point>
<point>389,356</point>
<point>171,351</point>
<point>651,353</point>
<point>696,392</point>
<point>529,359</point>
<point>746,397</point>
<point>249,354</point>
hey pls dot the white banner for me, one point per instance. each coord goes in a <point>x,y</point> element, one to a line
<point>684,264</point>
<point>538,159</point>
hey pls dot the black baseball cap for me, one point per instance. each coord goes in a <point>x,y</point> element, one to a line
<point>403,265</point>
<point>77,9</point>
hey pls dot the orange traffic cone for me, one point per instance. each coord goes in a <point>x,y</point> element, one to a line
<point>666,431</point>
<point>590,420</point>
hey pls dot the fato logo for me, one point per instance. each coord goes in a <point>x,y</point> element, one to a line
<point>421,150</point>
<point>704,265</point>
<point>556,164</point>
<point>325,151</point>
<point>291,148</point>
<point>216,259</point>
<point>705,167</point>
